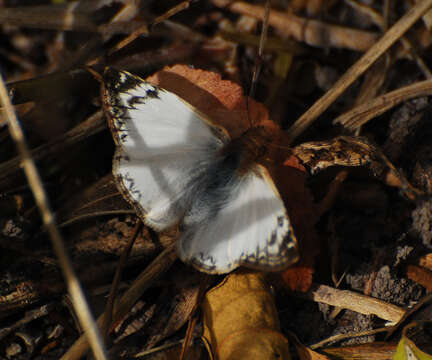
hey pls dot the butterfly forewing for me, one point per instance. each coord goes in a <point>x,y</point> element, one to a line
<point>251,228</point>
<point>162,142</point>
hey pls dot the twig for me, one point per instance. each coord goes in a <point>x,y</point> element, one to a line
<point>354,301</point>
<point>34,180</point>
<point>340,337</point>
<point>116,281</point>
<point>312,32</point>
<point>382,22</point>
<point>262,43</point>
<point>158,266</point>
<point>92,125</point>
<point>56,17</point>
<point>28,317</point>
<point>361,114</point>
<point>146,28</point>
<point>352,74</point>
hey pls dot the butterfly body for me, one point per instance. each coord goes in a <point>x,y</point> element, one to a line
<point>251,147</point>
<point>177,167</point>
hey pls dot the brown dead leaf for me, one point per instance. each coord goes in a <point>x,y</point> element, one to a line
<point>376,351</point>
<point>291,182</point>
<point>241,320</point>
<point>223,101</point>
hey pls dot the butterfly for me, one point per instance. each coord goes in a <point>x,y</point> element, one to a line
<point>177,167</point>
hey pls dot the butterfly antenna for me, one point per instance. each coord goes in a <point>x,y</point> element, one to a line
<point>286,147</point>
<point>258,60</point>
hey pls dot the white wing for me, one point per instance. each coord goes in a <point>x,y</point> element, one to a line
<point>251,228</point>
<point>162,142</point>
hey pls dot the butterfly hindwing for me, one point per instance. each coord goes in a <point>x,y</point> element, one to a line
<point>250,228</point>
<point>161,143</point>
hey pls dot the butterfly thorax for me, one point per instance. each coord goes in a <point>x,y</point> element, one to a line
<point>252,147</point>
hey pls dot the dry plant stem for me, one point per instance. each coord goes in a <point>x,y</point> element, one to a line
<point>312,32</point>
<point>382,22</point>
<point>152,272</point>
<point>77,295</point>
<point>354,301</point>
<point>352,74</point>
<point>158,348</point>
<point>361,114</point>
<point>340,337</point>
<point>205,281</point>
<point>96,214</point>
<point>262,42</point>
<point>28,317</point>
<point>62,18</point>
<point>93,125</point>
<point>115,284</point>
<point>188,338</point>
<point>171,12</point>
<point>144,30</point>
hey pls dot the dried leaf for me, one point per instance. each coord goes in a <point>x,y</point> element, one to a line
<point>291,182</point>
<point>407,350</point>
<point>241,321</point>
<point>376,351</point>
<point>223,101</point>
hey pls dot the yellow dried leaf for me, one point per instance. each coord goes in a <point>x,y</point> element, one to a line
<point>407,350</point>
<point>240,319</point>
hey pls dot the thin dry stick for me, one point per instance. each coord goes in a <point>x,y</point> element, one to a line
<point>158,348</point>
<point>382,22</point>
<point>380,47</point>
<point>340,337</point>
<point>158,266</point>
<point>361,114</point>
<point>92,125</point>
<point>354,301</point>
<point>34,180</point>
<point>62,18</point>
<point>171,12</point>
<point>204,284</point>
<point>312,32</point>
<point>263,40</point>
<point>145,29</point>
<point>115,284</point>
